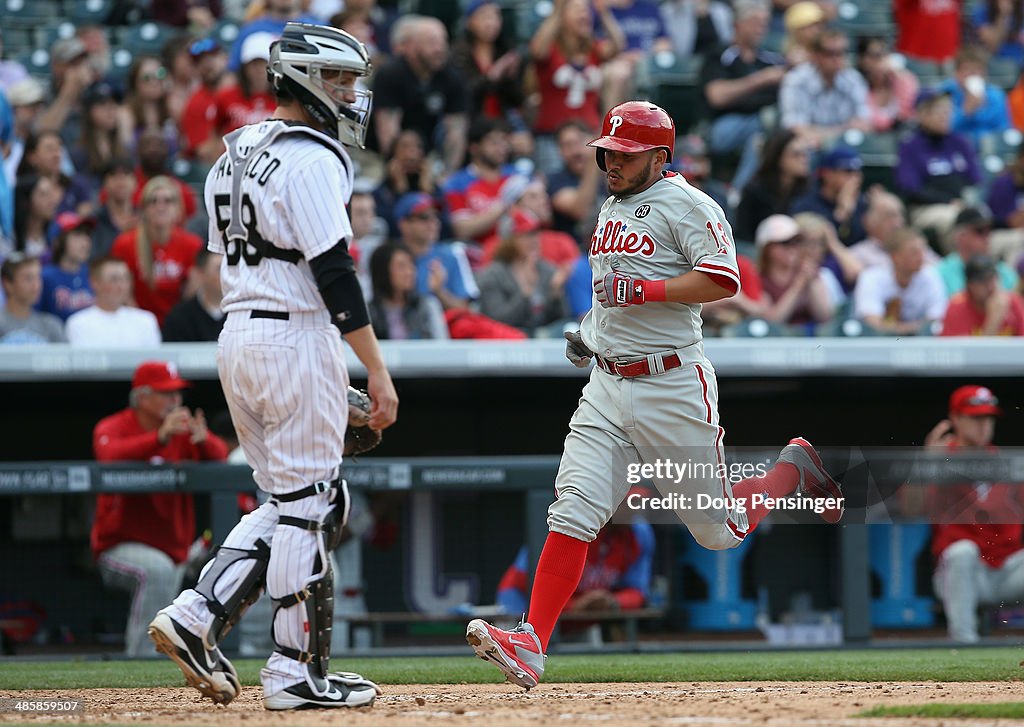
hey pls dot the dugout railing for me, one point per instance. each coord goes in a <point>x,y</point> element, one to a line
<point>869,480</point>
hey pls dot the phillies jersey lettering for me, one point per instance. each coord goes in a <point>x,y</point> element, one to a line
<point>664,231</point>
<point>288,170</point>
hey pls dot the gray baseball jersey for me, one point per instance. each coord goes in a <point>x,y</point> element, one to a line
<point>663,232</point>
<point>668,229</point>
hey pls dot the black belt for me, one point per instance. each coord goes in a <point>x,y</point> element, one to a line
<point>277,315</point>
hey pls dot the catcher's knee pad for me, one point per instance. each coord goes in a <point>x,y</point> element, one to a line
<point>317,597</point>
<point>244,592</point>
<point>334,521</point>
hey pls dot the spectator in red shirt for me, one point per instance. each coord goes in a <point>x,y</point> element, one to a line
<point>557,247</point>
<point>141,542</point>
<point>484,190</point>
<point>928,30</point>
<point>158,252</point>
<point>567,59</point>
<point>977,535</point>
<point>198,122</point>
<point>983,308</point>
<point>249,101</point>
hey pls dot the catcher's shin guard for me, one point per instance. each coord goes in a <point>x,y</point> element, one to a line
<point>317,597</point>
<point>246,592</point>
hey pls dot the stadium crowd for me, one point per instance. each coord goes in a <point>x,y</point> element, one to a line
<point>868,154</point>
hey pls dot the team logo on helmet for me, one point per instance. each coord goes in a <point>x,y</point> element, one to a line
<point>615,122</point>
<point>642,211</point>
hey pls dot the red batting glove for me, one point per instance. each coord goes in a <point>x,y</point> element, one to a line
<point>616,290</point>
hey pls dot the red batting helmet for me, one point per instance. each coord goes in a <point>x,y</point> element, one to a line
<point>635,126</point>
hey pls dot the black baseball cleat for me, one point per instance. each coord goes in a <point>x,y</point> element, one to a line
<point>344,689</point>
<point>205,669</point>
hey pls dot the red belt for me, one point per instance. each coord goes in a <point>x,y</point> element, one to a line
<point>638,368</point>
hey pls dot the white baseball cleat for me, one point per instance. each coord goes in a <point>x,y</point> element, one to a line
<point>205,669</point>
<point>814,480</point>
<point>517,653</point>
<point>344,689</point>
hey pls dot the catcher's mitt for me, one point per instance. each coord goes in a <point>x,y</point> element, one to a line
<point>359,437</point>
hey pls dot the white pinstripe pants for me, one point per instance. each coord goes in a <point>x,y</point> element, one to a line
<point>285,384</point>
<point>151,577</point>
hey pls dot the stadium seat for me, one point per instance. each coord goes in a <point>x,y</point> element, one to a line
<point>190,172</point>
<point>928,73</point>
<point>19,42</point>
<point>529,16</point>
<point>37,63</point>
<point>879,152</point>
<point>146,39</point>
<point>1004,145</point>
<point>755,328</point>
<point>28,13</point>
<point>226,32</point>
<point>844,327</point>
<point>672,84</point>
<point>57,31</point>
<point>121,63</point>
<point>1003,72</point>
<point>893,553</point>
<point>866,19</point>
<point>89,12</point>
<point>747,249</point>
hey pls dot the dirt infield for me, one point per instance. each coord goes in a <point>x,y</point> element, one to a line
<point>636,704</point>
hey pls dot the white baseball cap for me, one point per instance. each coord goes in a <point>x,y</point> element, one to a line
<point>777,228</point>
<point>256,47</point>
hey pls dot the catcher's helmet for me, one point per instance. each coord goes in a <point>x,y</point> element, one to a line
<point>297,62</point>
<point>635,126</point>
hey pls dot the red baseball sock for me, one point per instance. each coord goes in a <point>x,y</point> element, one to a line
<point>780,481</point>
<point>558,574</point>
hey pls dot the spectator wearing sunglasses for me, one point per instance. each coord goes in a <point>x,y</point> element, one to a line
<point>159,252</point>
<point>824,97</point>
<point>146,103</point>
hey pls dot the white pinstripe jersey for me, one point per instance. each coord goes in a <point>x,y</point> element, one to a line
<point>293,193</point>
<point>668,229</point>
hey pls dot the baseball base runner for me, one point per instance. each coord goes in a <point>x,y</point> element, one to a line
<point>660,249</point>
<point>276,201</point>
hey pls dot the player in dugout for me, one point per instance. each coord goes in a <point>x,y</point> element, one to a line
<point>141,541</point>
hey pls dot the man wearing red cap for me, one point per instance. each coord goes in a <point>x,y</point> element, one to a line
<point>977,533</point>
<point>141,542</point>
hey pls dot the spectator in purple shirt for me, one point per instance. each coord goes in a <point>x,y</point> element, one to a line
<point>646,33</point>
<point>1006,202</point>
<point>935,165</point>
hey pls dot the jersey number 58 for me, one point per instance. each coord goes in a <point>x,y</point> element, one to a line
<point>250,248</point>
